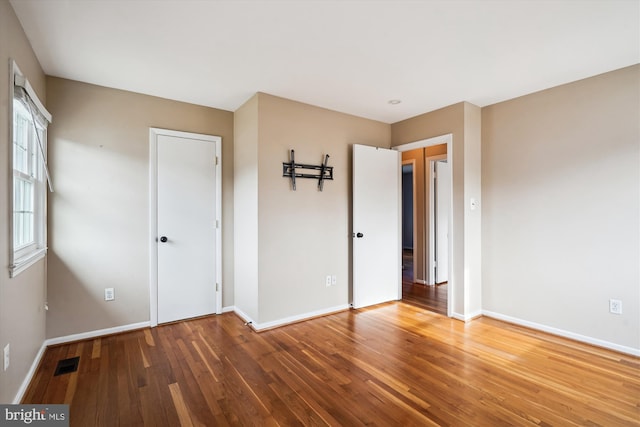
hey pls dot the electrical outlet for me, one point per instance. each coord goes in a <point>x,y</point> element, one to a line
<point>7,357</point>
<point>615,306</point>
<point>327,281</point>
<point>334,280</point>
<point>109,294</point>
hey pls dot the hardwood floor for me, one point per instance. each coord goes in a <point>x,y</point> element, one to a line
<point>432,298</point>
<point>388,365</point>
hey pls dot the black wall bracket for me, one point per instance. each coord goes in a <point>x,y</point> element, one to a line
<point>295,170</point>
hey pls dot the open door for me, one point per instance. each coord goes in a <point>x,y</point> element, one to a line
<point>442,206</point>
<point>376,226</point>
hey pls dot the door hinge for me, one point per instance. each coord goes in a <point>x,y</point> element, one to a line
<point>216,160</point>
<point>217,224</point>
<point>217,287</point>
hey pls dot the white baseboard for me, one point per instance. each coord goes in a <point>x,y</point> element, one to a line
<point>244,316</point>
<point>468,317</point>
<point>29,376</point>
<point>561,332</point>
<point>228,309</point>
<point>290,319</point>
<point>97,333</point>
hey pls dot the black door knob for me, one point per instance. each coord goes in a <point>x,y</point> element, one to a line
<point>359,235</point>
<point>163,239</point>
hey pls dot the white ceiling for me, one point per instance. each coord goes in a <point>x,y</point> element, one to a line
<point>350,56</point>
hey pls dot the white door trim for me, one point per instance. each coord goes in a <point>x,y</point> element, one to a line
<point>430,162</point>
<point>153,215</point>
<point>442,139</point>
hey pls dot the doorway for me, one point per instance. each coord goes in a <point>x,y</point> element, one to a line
<point>423,283</point>
<point>409,239</point>
<point>185,241</point>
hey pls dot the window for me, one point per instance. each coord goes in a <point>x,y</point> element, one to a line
<point>28,219</point>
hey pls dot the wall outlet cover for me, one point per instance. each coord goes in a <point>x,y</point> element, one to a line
<point>615,306</point>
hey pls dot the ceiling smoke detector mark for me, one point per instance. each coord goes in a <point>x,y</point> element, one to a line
<point>394,101</point>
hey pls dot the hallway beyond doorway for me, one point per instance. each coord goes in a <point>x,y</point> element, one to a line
<point>432,298</point>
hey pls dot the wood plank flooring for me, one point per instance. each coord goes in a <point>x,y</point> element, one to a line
<point>390,365</point>
<point>432,298</point>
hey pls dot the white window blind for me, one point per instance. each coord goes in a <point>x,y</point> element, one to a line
<point>40,117</point>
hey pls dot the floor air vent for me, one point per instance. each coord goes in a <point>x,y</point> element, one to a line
<point>67,366</point>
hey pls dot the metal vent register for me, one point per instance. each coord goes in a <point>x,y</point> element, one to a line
<point>67,366</point>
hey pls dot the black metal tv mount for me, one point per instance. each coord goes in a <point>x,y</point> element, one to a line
<point>290,170</point>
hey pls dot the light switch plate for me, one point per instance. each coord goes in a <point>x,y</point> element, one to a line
<point>7,356</point>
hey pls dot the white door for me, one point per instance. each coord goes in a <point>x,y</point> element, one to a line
<point>443,204</point>
<point>187,230</point>
<point>376,226</point>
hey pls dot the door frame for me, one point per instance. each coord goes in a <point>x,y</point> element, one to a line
<point>153,214</point>
<point>442,139</point>
<point>431,205</point>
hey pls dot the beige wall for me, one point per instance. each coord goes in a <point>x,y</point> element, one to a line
<point>304,235</point>
<point>99,214</point>
<point>561,185</point>
<point>472,214</point>
<point>458,120</point>
<point>22,315</point>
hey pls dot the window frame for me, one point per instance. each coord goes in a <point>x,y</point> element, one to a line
<point>21,258</point>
